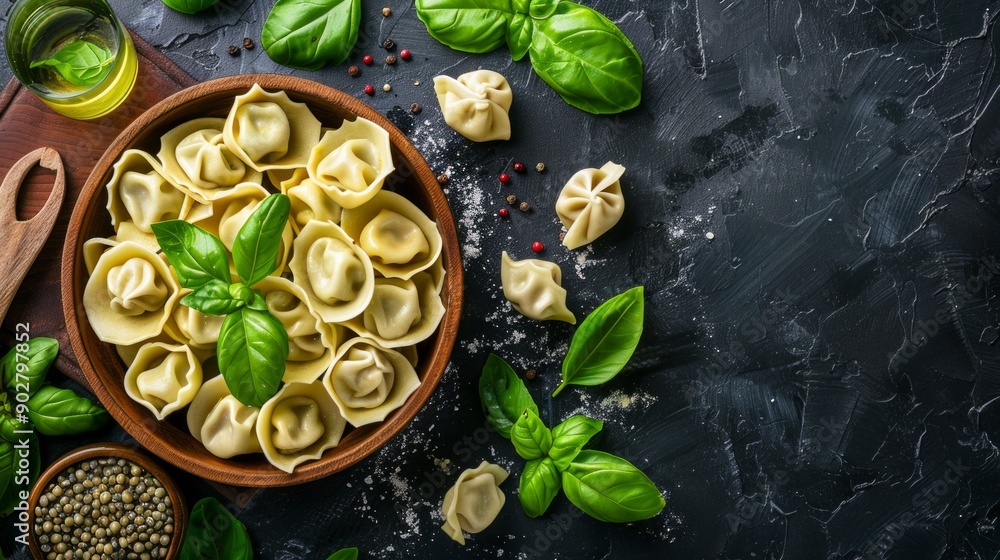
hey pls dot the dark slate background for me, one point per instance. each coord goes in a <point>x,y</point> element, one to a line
<point>820,380</point>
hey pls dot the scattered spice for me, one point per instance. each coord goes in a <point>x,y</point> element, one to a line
<point>248,43</point>
<point>416,83</point>
<point>388,44</point>
<point>524,207</point>
<point>709,236</point>
<point>386,12</point>
<point>405,54</point>
<point>503,212</point>
<point>537,247</point>
<point>386,87</point>
<point>370,89</point>
<point>562,235</point>
<point>233,50</point>
<point>530,374</point>
<point>443,179</point>
<point>504,178</point>
<point>391,59</point>
<point>519,167</point>
<point>540,167</point>
<point>354,71</point>
<point>511,199</point>
<point>415,108</point>
<point>368,60</point>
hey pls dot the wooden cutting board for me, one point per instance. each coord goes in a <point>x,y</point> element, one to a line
<point>25,124</point>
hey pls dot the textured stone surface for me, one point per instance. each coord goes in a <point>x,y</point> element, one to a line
<point>818,380</point>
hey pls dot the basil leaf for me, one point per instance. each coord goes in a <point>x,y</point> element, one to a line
<point>10,424</point>
<point>504,395</point>
<point>610,489</point>
<point>345,554</point>
<point>587,60</point>
<point>252,349</point>
<point>26,447</point>
<point>189,6</point>
<point>214,534</point>
<point>197,256</point>
<point>605,341</point>
<point>307,35</point>
<point>475,26</point>
<point>80,63</point>
<point>255,250</point>
<point>28,368</point>
<point>539,486</point>
<point>541,9</point>
<point>569,437</point>
<point>531,438</point>
<point>214,298</point>
<point>59,412</point>
<point>257,303</point>
<point>519,35</point>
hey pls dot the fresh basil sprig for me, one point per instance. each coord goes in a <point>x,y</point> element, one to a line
<point>580,53</point>
<point>540,482</point>
<point>345,554</point>
<point>29,374</point>
<point>253,344</point>
<point>532,439</point>
<point>80,63</point>
<point>504,395</point>
<point>610,489</point>
<point>605,341</point>
<point>569,438</point>
<point>213,534</point>
<point>308,35</point>
<point>59,412</point>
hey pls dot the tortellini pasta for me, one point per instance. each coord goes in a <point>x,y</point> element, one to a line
<point>400,239</point>
<point>163,378</point>
<point>298,424</point>
<point>335,273</point>
<point>194,156</point>
<point>130,294</point>
<point>139,195</point>
<point>270,131</point>
<point>352,162</point>
<point>476,104</point>
<point>309,201</point>
<point>474,501</point>
<point>402,312</point>
<point>194,328</point>
<point>368,382</point>
<point>224,425</point>
<point>311,341</point>
<point>591,203</point>
<point>534,288</point>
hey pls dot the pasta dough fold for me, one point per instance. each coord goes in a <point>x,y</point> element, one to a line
<point>476,104</point>
<point>534,288</point>
<point>591,203</point>
<point>474,501</point>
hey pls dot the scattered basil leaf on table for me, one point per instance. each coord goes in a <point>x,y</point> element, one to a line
<point>345,554</point>
<point>189,6</point>
<point>255,250</point>
<point>308,35</point>
<point>59,412</point>
<point>540,481</point>
<point>80,63</point>
<point>40,353</point>
<point>214,298</point>
<point>475,26</point>
<point>253,346</point>
<point>198,256</point>
<point>569,437</point>
<point>610,489</point>
<point>605,341</point>
<point>504,395</point>
<point>531,438</point>
<point>214,534</point>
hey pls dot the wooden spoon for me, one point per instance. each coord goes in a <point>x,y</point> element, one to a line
<point>22,240</point>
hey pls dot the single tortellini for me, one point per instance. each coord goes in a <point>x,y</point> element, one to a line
<point>231,210</point>
<point>270,131</point>
<point>312,342</point>
<point>130,294</point>
<point>400,239</point>
<point>352,162</point>
<point>368,382</point>
<point>139,195</point>
<point>309,201</point>
<point>194,328</point>
<point>298,424</point>
<point>474,501</point>
<point>401,312</point>
<point>591,203</point>
<point>476,104</point>
<point>195,157</point>
<point>335,273</point>
<point>534,288</point>
<point>163,378</point>
<point>224,425</point>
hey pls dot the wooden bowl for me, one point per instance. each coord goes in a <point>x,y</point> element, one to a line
<point>105,371</point>
<point>116,451</point>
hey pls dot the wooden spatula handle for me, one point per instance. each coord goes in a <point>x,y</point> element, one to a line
<point>22,240</point>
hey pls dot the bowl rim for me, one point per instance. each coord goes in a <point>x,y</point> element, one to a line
<point>113,450</point>
<point>437,356</point>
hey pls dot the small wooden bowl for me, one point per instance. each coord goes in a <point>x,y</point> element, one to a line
<point>115,451</point>
<point>105,371</point>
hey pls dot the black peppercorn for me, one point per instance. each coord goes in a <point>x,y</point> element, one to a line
<point>530,374</point>
<point>391,59</point>
<point>388,44</point>
<point>247,43</point>
<point>233,50</point>
<point>443,179</point>
<point>415,108</point>
<point>354,71</point>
